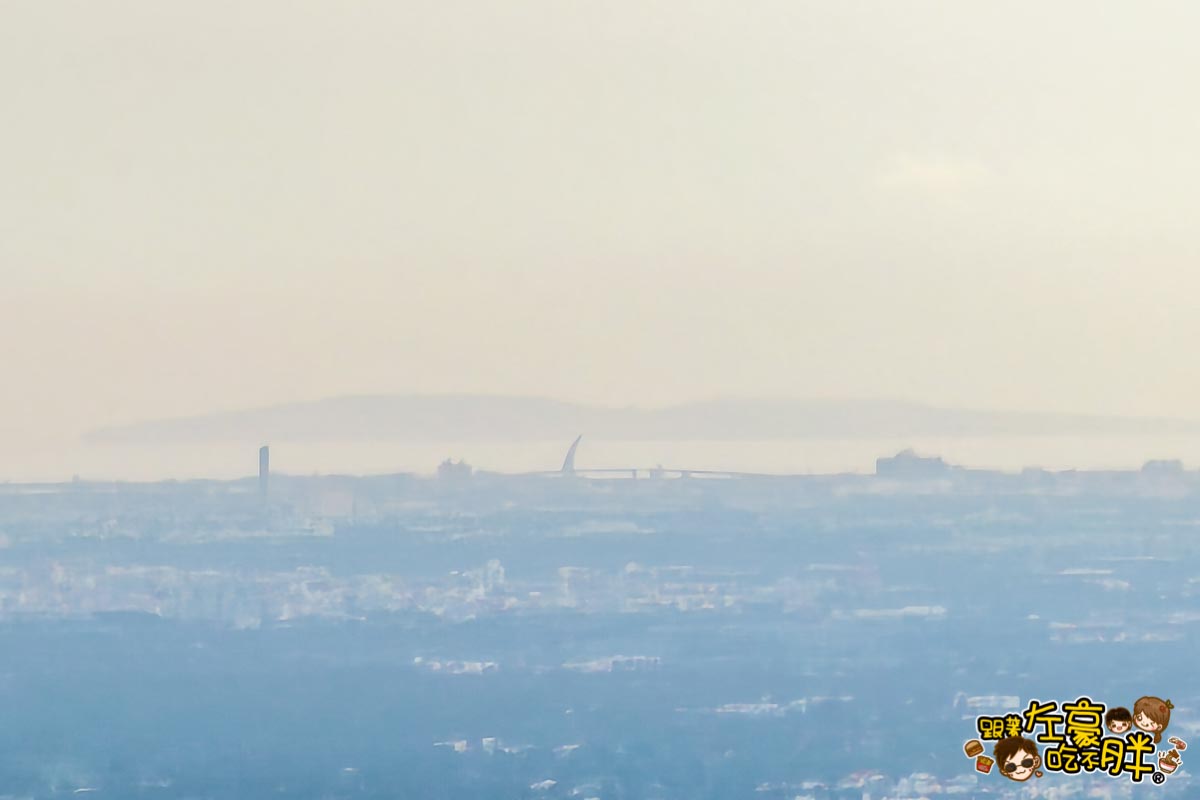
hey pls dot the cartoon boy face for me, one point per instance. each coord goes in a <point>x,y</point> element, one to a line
<point>1118,720</point>
<point>1017,758</point>
<point>1145,723</point>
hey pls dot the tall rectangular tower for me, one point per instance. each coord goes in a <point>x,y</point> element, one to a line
<point>264,470</point>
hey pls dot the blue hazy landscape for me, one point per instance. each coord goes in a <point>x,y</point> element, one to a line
<point>874,318</point>
<point>476,635</point>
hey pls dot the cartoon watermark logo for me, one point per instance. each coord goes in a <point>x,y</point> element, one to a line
<point>1071,738</point>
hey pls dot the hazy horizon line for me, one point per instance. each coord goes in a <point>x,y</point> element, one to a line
<point>894,400</point>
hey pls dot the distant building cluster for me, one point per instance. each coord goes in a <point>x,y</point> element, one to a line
<point>451,470</point>
<point>907,464</point>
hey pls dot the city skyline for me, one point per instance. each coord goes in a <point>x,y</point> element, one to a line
<point>612,400</point>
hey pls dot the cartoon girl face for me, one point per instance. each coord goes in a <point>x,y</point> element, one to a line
<point>1152,714</point>
<point>1017,758</point>
<point>1145,723</point>
<point>1020,765</point>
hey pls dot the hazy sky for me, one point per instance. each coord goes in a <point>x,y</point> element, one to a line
<point>215,205</point>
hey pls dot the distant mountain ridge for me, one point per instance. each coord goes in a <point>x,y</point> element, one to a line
<point>482,418</point>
